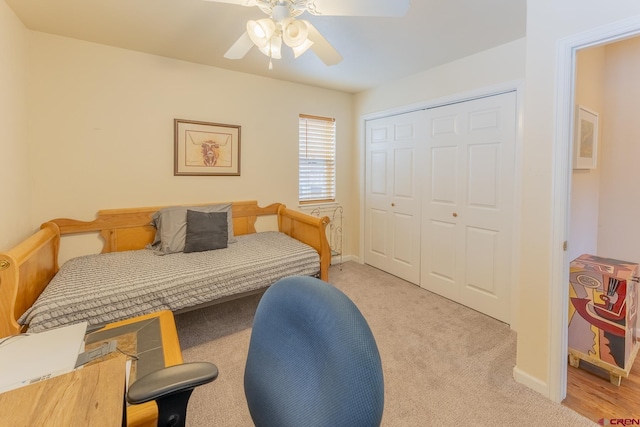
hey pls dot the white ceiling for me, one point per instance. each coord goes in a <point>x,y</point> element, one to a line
<point>375,50</point>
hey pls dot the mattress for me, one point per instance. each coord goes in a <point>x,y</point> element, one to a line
<point>105,288</point>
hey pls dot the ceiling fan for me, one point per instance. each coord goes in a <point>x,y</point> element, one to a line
<point>298,34</point>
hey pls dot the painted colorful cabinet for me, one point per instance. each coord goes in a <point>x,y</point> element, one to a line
<point>603,309</point>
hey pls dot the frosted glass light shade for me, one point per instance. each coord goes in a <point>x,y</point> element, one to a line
<point>273,49</point>
<point>260,31</point>
<point>295,33</point>
<point>299,50</point>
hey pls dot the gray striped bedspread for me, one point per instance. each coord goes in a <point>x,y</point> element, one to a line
<point>104,288</point>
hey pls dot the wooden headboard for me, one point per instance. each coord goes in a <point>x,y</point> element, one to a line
<point>130,229</point>
<point>26,269</point>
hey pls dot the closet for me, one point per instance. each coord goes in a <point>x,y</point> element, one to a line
<point>439,199</point>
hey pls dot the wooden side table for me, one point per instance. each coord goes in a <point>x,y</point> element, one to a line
<point>153,340</point>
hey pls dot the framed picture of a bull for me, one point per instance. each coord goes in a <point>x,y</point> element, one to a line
<point>203,148</point>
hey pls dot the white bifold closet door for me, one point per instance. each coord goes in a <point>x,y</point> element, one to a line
<point>462,177</point>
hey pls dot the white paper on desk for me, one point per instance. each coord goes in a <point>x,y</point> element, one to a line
<point>29,358</point>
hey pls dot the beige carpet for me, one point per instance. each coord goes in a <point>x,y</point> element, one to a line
<point>444,364</point>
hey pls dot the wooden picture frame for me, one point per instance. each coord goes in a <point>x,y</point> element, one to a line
<point>203,148</point>
<point>585,154</point>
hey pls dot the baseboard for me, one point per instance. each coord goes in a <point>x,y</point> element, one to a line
<point>337,259</point>
<point>531,382</point>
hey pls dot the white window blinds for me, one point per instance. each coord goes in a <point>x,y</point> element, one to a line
<point>317,159</point>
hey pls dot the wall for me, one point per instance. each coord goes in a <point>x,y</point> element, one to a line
<point>619,235</point>
<point>15,209</point>
<point>585,183</point>
<point>102,130</point>
<point>498,65</point>
<point>548,22</point>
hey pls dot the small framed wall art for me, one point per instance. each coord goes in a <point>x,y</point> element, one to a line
<point>585,153</point>
<point>203,148</point>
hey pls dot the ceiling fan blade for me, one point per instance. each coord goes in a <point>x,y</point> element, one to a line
<point>238,2</point>
<point>321,47</point>
<point>240,47</point>
<point>360,7</point>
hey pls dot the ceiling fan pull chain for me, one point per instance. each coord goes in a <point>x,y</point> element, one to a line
<point>270,64</point>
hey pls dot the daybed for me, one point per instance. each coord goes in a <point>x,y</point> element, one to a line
<point>27,269</point>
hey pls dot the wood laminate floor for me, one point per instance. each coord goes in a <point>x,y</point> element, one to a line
<point>590,393</point>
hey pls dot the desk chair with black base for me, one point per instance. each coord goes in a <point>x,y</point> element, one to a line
<point>312,362</point>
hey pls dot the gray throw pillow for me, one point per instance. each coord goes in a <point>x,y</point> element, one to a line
<point>206,231</point>
<point>171,226</point>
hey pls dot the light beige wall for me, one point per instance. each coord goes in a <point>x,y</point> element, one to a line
<point>619,234</point>
<point>15,209</point>
<point>548,21</point>
<point>585,184</point>
<point>102,130</point>
<point>492,67</point>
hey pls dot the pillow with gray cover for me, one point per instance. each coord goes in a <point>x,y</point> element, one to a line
<point>171,226</point>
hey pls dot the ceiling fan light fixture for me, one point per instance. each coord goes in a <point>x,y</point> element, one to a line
<point>273,49</point>
<point>269,33</point>
<point>261,31</point>
<point>299,50</point>
<point>295,33</point>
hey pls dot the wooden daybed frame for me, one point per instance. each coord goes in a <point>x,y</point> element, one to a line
<point>26,269</point>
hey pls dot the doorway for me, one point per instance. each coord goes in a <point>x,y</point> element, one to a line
<point>568,49</point>
<point>606,78</point>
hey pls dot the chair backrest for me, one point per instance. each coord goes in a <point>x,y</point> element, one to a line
<point>312,359</point>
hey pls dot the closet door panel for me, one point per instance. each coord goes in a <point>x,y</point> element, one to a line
<point>470,188</point>
<point>440,259</point>
<point>392,194</point>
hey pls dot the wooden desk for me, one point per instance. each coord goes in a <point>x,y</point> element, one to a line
<point>94,395</point>
<point>91,396</point>
<point>146,414</point>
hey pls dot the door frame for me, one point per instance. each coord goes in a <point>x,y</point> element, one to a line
<point>565,95</point>
<point>510,86</point>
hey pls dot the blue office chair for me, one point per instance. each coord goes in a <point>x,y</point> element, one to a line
<point>312,359</point>
<point>312,362</point>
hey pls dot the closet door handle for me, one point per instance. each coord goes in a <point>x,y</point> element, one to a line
<point>455,215</point>
<point>393,204</point>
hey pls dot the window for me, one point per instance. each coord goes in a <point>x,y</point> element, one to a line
<point>317,159</point>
